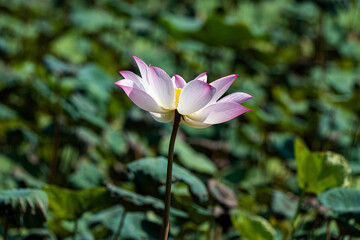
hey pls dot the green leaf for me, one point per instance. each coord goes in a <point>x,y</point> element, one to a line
<point>345,203</point>
<point>38,234</point>
<point>88,136</point>
<point>88,175</point>
<point>135,202</point>
<point>58,67</point>
<point>72,46</point>
<point>88,76</point>
<point>116,141</point>
<point>86,109</point>
<point>319,171</point>
<point>70,204</point>
<point>6,113</point>
<point>178,24</point>
<point>135,225</point>
<point>283,204</point>
<point>153,171</point>
<point>23,207</point>
<point>214,31</point>
<point>198,214</point>
<point>341,200</point>
<point>252,227</point>
<point>93,20</point>
<point>6,163</point>
<point>11,172</point>
<point>188,157</point>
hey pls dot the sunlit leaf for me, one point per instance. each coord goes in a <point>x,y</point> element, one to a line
<point>252,227</point>
<point>71,204</point>
<point>319,171</point>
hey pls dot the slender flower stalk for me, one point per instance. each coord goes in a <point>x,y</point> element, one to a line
<point>195,104</point>
<point>165,224</point>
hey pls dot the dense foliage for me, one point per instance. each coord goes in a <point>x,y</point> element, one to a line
<point>78,160</point>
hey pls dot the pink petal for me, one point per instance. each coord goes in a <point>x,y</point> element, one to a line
<point>142,67</point>
<point>162,87</point>
<point>163,117</point>
<point>219,112</point>
<point>194,96</point>
<point>222,85</point>
<point>179,81</point>
<point>195,124</point>
<point>238,97</point>
<point>139,97</point>
<point>202,77</point>
<point>133,77</point>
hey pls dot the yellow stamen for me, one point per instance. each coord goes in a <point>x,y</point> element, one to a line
<point>177,96</point>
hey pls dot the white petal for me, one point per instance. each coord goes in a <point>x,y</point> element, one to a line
<point>162,87</point>
<point>133,77</point>
<point>219,112</point>
<point>178,81</point>
<point>144,69</point>
<point>164,117</point>
<point>195,124</point>
<point>222,85</point>
<point>238,97</point>
<point>202,77</point>
<point>139,97</point>
<point>194,96</point>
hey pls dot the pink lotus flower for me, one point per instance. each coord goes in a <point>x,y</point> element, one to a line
<point>197,101</point>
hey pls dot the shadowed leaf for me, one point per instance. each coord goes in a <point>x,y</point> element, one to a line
<point>23,207</point>
<point>153,171</point>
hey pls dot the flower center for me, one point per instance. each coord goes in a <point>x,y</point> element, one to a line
<point>177,96</point>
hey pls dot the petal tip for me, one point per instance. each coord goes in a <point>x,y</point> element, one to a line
<point>117,83</point>
<point>210,86</point>
<point>137,59</point>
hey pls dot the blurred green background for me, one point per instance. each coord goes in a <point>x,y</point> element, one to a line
<point>63,121</point>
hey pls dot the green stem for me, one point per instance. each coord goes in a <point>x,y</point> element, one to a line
<point>297,214</point>
<point>165,224</point>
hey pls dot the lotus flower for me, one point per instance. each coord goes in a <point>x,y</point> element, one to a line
<point>197,101</point>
